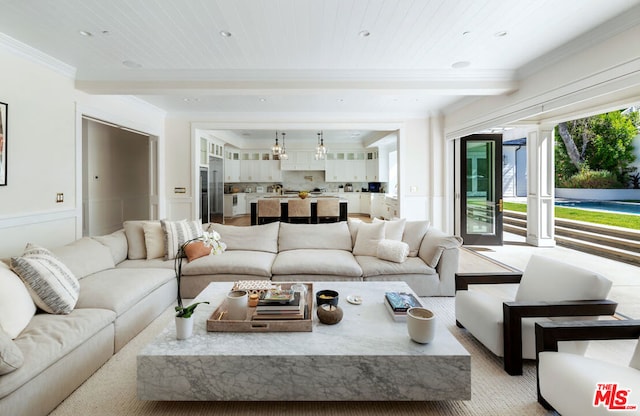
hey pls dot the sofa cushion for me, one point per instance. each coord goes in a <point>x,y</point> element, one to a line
<point>11,357</point>
<point>16,306</point>
<point>136,247</point>
<point>147,264</point>
<point>434,244</point>
<point>133,285</point>
<point>367,239</point>
<point>52,286</point>
<point>48,337</point>
<point>153,240</point>
<point>117,244</point>
<point>333,236</point>
<point>316,261</point>
<point>551,280</point>
<point>373,266</point>
<point>253,263</point>
<point>176,233</point>
<point>392,250</point>
<point>393,229</point>
<point>354,225</point>
<point>255,238</point>
<point>84,257</point>
<point>414,232</point>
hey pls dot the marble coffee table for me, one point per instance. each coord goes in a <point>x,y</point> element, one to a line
<point>367,356</point>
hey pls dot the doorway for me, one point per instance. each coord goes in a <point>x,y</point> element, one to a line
<point>481,189</point>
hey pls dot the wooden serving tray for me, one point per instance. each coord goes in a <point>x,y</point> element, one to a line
<point>218,323</point>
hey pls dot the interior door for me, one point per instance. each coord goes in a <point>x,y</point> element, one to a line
<point>481,189</point>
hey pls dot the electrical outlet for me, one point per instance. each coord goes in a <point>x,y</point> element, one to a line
<point>59,197</point>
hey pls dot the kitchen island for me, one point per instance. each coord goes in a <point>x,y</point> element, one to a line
<point>284,209</point>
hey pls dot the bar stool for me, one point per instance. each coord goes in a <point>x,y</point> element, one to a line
<point>328,210</point>
<point>268,210</point>
<point>299,210</point>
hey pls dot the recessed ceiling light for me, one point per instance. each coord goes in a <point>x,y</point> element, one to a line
<point>460,64</point>
<point>225,34</point>
<point>262,100</point>
<point>466,33</point>
<point>500,34</point>
<point>131,64</point>
<point>105,32</point>
<point>340,100</point>
<point>85,33</point>
<point>364,33</point>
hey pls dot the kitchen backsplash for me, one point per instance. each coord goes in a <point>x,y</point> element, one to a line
<point>297,180</point>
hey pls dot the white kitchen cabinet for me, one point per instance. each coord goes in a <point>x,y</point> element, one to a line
<point>348,166</point>
<point>232,166</point>
<point>378,206</point>
<point>365,203</point>
<point>391,208</point>
<point>241,206</point>
<point>353,202</point>
<point>302,160</point>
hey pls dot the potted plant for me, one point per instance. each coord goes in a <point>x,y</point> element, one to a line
<point>184,314</point>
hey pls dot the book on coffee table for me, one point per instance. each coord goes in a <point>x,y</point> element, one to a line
<point>397,303</point>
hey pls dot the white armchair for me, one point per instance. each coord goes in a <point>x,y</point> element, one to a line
<point>501,310</point>
<point>577,385</point>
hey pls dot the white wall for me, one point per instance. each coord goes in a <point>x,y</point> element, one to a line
<point>44,148</point>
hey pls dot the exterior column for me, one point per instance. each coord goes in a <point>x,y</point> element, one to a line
<point>540,187</point>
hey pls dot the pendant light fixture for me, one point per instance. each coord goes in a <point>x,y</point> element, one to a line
<point>276,149</point>
<point>321,151</point>
<point>283,150</point>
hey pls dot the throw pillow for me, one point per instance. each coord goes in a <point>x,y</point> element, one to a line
<point>354,224</point>
<point>369,235</point>
<point>136,247</point>
<point>196,249</point>
<point>153,240</point>
<point>11,357</point>
<point>16,306</point>
<point>52,286</point>
<point>176,233</point>
<point>393,250</point>
<point>414,232</point>
<point>393,229</point>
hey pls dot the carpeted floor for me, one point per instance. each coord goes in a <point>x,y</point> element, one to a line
<point>112,390</point>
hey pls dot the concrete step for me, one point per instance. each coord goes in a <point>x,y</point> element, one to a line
<point>616,243</point>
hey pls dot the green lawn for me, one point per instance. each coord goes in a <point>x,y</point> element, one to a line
<point>618,220</point>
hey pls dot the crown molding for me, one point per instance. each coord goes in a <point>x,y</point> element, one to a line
<point>35,55</point>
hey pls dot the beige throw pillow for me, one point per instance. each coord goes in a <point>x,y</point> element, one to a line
<point>154,240</point>
<point>136,247</point>
<point>367,239</point>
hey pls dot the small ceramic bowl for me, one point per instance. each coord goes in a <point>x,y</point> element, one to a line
<point>327,297</point>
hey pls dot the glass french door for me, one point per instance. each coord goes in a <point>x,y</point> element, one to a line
<point>481,189</point>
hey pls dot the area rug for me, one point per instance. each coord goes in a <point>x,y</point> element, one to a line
<point>112,389</point>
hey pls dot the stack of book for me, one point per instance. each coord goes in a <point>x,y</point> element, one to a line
<point>397,303</point>
<point>280,304</point>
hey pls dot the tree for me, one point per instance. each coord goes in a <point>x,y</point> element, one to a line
<point>602,142</point>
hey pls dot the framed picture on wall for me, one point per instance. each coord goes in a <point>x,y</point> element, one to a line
<point>3,143</point>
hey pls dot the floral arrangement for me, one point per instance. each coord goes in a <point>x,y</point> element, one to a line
<point>210,240</point>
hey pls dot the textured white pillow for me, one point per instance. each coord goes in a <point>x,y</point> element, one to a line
<point>177,233</point>
<point>369,235</point>
<point>393,229</point>
<point>393,250</point>
<point>11,357</point>
<point>551,280</point>
<point>16,306</point>
<point>52,286</point>
<point>154,240</point>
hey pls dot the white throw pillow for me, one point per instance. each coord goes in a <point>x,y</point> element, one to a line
<point>11,357</point>
<point>154,240</point>
<point>393,229</point>
<point>393,250</point>
<point>551,280</point>
<point>117,244</point>
<point>177,233</point>
<point>369,235</point>
<point>136,247</point>
<point>414,232</point>
<point>52,286</point>
<point>16,306</point>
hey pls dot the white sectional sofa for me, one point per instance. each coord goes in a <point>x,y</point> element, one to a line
<point>125,282</point>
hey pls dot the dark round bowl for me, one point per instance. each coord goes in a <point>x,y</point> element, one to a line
<point>326,297</point>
